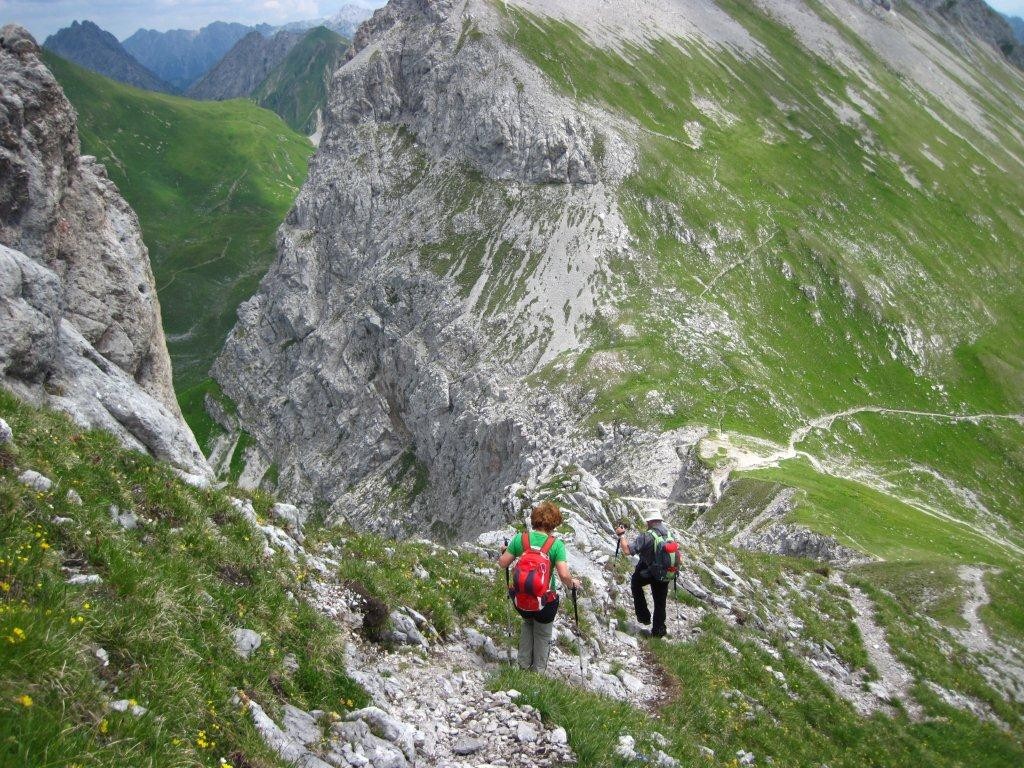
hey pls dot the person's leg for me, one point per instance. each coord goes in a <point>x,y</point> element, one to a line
<point>637,584</point>
<point>541,645</point>
<point>659,592</point>
<point>526,643</point>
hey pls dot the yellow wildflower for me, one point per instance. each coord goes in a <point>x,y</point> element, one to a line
<point>4,586</point>
<point>25,700</point>
<point>104,725</point>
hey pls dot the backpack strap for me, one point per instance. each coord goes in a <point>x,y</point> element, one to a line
<point>526,542</point>
<point>548,545</point>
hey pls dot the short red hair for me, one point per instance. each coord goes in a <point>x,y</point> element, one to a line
<point>546,516</point>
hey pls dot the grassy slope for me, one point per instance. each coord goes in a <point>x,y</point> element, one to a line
<point>210,181</point>
<point>297,87</point>
<point>174,588</point>
<point>852,255</point>
<point>172,591</point>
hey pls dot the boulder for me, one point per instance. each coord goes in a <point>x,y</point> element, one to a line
<point>246,641</point>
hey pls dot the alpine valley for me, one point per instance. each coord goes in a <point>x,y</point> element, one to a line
<point>755,265</point>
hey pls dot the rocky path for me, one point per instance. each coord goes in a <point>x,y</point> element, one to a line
<point>1004,664</point>
<point>895,680</point>
<point>430,699</point>
<point>976,638</point>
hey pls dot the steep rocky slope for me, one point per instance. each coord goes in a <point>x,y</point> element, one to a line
<point>182,56</point>
<point>93,48</point>
<point>786,232</point>
<point>244,67</point>
<point>81,323</point>
<point>327,647</point>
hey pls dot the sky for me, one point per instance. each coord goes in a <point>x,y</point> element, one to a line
<point>123,17</point>
<point>1009,7</point>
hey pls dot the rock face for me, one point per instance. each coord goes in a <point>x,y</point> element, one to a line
<point>80,321</point>
<point>87,45</point>
<point>355,356</point>
<point>485,268</point>
<point>245,66</point>
<point>978,17</point>
<point>182,56</point>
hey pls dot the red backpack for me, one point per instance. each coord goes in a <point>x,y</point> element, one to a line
<point>531,576</point>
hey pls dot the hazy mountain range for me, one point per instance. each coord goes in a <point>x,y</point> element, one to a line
<point>182,56</point>
<point>89,46</point>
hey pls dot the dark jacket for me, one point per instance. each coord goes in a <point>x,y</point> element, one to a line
<point>643,544</point>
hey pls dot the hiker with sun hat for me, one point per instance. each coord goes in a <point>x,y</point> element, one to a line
<point>657,567</point>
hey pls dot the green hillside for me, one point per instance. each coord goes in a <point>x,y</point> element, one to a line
<point>172,590</point>
<point>210,181</point>
<point>846,249</point>
<point>297,88</point>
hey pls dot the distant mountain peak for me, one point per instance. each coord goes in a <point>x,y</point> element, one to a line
<point>182,56</point>
<point>245,66</point>
<point>88,45</point>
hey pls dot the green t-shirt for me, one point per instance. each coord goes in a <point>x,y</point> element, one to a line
<point>537,539</point>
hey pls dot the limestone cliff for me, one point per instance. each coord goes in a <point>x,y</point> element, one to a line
<point>542,232</point>
<point>80,321</point>
<point>356,364</point>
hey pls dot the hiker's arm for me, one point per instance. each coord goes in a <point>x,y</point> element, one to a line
<point>562,569</point>
<point>623,542</point>
<point>506,559</point>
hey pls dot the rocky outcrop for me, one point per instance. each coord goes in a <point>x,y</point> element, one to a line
<point>87,45</point>
<point>245,66</point>
<point>978,18</point>
<point>356,367</point>
<point>79,316</point>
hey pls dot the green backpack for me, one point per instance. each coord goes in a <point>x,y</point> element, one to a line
<point>665,561</point>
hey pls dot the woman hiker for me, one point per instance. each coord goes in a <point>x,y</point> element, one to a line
<point>540,558</point>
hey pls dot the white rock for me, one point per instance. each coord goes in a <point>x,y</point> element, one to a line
<point>246,641</point>
<point>35,481</point>
<point>126,520</point>
<point>6,433</point>
<point>124,705</point>
<point>290,514</point>
<point>300,726</point>
<point>80,579</point>
<point>526,733</point>
<point>558,736</point>
<point>73,498</point>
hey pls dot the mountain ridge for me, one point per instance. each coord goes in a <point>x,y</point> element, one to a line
<point>297,88</point>
<point>93,48</point>
<point>182,56</point>
<point>678,217</point>
<point>247,64</point>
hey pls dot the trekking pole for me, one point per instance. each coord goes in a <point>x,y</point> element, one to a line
<point>579,633</point>
<point>508,593</point>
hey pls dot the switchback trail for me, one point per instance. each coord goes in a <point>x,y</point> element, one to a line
<point>744,456</point>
